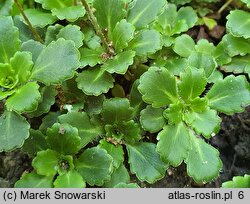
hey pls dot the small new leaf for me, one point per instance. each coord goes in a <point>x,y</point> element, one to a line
<point>192,83</point>
<point>122,34</point>
<point>9,40</point>
<point>25,99</point>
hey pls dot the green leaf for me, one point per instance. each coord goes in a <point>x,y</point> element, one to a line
<point>49,120</point>
<point>171,22</point>
<point>120,63</point>
<point>174,113</point>
<point>198,104</point>
<point>64,139</point>
<point>236,46</point>
<point>146,42</point>
<point>158,87</point>
<point>238,181</point>
<point>65,164</point>
<point>206,122</point>
<point>48,99</point>
<point>215,76</point>
<point>202,61</point>
<point>71,179</point>
<point>173,143</point>
<point>145,162</point>
<point>95,81</point>
<point>115,151</point>
<point>51,33</point>
<point>203,161</point>
<point>129,185</point>
<point>238,23</point>
<point>25,99</point>
<point>71,13</point>
<point>238,65</point>
<point>90,57</point>
<point>136,98</point>
<point>246,2</point>
<point>152,119</point>
<point>8,78</point>
<point>46,162</point>
<point>143,12</point>
<point>230,95</point>
<point>22,64</point>
<point>72,32</point>
<point>5,94</point>
<point>109,12</point>
<point>5,7</point>
<point>184,45</point>
<point>116,110</point>
<point>56,63</point>
<point>93,105</point>
<point>188,15</point>
<point>34,47</point>
<point>39,18</point>
<point>14,131</point>
<point>221,55</point>
<point>35,143</point>
<point>9,41</point>
<point>80,120</point>
<point>95,166</point>
<point>176,66</point>
<point>192,83</point>
<point>33,180</point>
<point>204,46</point>
<point>122,34</point>
<point>63,9</point>
<point>131,131</point>
<point>120,175</point>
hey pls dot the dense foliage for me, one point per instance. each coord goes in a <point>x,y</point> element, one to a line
<point>97,90</point>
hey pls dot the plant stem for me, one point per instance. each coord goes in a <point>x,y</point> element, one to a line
<point>97,28</point>
<point>225,6</point>
<point>33,30</point>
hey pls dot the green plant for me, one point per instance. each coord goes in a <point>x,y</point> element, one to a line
<point>238,182</point>
<point>116,94</point>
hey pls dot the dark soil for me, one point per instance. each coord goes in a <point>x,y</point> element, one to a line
<point>233,142</point>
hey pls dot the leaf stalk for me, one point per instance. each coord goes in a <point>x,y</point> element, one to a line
<point>33,30</point>
<point>97,28</point>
